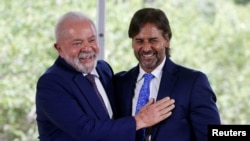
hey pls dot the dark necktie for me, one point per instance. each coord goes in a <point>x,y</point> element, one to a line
<point>91,79</point>
<point>143,99</point>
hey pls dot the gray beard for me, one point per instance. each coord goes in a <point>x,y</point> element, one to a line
<point>75,63</point>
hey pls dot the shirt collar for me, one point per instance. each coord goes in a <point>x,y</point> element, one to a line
<point>94,72</point>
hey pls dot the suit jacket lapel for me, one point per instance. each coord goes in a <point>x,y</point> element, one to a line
<point>108,86</point>
<point>167,84</point>
<point>89,94</point>
<point>168,79</point>
<point>130,88</point>
<point>85,90</point>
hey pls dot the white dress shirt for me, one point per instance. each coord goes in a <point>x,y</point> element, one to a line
<point>102,92</point>
<point>154,84</point>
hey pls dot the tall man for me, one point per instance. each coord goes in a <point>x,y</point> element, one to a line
<point>195,101</point>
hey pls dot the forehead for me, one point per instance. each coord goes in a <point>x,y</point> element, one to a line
<point>81,26</point>
<point>149,30</point>
<point>80,30</point>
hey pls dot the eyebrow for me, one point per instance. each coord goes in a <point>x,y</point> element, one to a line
<point>77,40</point>
<point>151,38</point>
<point>93,36</point>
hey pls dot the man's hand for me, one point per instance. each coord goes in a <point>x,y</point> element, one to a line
<point>154,112</point>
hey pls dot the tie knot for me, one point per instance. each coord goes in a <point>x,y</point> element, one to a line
<point>148,76</point>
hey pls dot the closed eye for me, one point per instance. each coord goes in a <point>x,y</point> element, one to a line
<point>92,39</point>
<point>77,43</point>
<point>153,40</point>
<point>138,41</point>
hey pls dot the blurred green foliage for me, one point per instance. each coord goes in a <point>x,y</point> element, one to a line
<point>212,36</point>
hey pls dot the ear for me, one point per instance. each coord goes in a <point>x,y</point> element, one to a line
<point>57,47</point>
<point>167,42</point>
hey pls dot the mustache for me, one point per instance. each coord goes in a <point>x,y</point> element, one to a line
<point>147,52</point>
<point>87,55</point>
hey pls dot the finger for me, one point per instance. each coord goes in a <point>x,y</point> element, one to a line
<point>164,103</point>
<point>164,116</point>
<point>165,99</point>
<point>167,110</point>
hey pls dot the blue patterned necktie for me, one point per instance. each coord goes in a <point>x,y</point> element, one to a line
<point>142,100</point>
<point>144,92</point>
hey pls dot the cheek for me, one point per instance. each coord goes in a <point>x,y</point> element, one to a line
<point>162,52</point>
<point>94,47</point>
<point>97,49</point>
<point>136,51</point>
<point>136,48</point>
<point>72,52</point>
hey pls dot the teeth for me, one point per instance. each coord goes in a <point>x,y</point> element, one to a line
<point>147,54</point>
<point>86,56</point>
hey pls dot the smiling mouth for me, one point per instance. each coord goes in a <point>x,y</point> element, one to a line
<point>147,54</point>
<point>86,57</point>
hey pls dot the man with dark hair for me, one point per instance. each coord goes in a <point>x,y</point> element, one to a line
<point>195,101</point>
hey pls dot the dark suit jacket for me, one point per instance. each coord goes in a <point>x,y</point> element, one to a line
<point>195,102</point>
<point>69,110</point>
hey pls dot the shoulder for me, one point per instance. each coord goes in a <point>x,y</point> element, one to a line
<point>104,67</point>
<point>191,75</point>
<point>188,71</point>
<point>183,72</point>
<point>103,64</point>
<point>127,75</point>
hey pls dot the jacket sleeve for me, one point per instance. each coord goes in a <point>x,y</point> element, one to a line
<point>203,109</point>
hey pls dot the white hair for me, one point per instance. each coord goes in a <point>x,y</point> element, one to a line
<point>69,17</point>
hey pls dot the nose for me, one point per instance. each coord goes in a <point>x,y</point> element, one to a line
<point>85,46</point>
<point>146,46</point>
